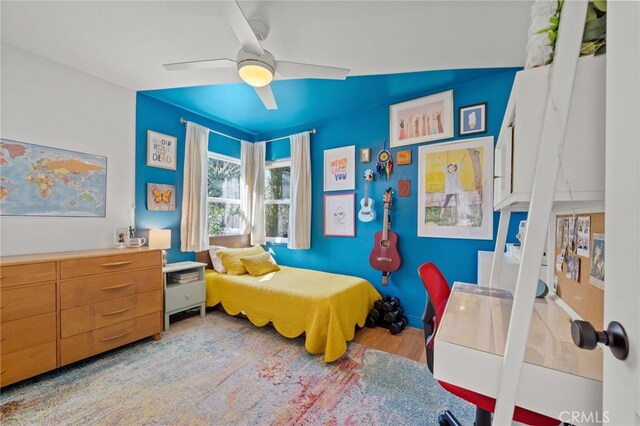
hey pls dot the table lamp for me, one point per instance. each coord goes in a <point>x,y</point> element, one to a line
<point>160,239</point>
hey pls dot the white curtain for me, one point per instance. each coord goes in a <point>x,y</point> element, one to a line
<point>193,228</point>
<point>300,209</point>
<point>258,233</point>
<point>247,177</point>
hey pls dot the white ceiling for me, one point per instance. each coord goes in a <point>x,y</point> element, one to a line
<point>128,41</point>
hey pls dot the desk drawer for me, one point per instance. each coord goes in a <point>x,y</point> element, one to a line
<point>84,345</point>
<point>27,363</point>
<point>180,295</point>
<point>84,291</point>
<point>26,301</point>
<point>90,317</point>
<point>104,264</point>
<point>27,274</point>
<point>27,332</point>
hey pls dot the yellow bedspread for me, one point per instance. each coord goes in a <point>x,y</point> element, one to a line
<point>325,306</point>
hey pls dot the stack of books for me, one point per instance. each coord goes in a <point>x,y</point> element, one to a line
<point>182,277</point>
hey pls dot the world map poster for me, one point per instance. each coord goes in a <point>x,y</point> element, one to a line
<point>38,180</point>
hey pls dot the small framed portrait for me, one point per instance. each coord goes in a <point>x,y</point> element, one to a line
<point>403,158</point>
<point>473,119</point>
<point>365,155</point>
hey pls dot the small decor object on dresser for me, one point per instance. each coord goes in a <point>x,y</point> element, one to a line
<point>473,119</point>
<point>122,237</point>
<point>425,119</point>
<point>161,197</point>
<point>161,150</point>
<point>44,181</point>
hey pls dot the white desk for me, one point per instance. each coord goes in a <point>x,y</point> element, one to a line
<point>556,376</point>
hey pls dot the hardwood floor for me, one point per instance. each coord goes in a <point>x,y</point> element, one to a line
<point>409,343</point>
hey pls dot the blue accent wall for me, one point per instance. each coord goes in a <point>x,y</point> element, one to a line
<point>152,114</point>
<point>367,128</point>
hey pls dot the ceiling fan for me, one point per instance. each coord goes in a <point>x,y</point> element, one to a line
<point>256,66</point>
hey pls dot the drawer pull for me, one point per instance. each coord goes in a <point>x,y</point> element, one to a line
<point>3,371</point>
<point>106,339</point>
<point>2,339</point>
<point>118,286</point>
<point>124,262</point>
<point>118,311</point>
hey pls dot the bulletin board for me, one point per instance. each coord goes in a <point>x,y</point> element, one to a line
<point>582,292</point>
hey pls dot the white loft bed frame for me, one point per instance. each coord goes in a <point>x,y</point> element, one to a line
<point>541,206</point>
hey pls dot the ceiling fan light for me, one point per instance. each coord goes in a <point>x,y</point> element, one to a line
<point>255,74</point>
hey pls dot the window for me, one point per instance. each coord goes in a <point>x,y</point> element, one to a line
<point>277,196</point>
<point>223,198</point>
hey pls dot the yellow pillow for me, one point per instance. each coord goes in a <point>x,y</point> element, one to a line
<point>231,258</point>
<point>259,264</point>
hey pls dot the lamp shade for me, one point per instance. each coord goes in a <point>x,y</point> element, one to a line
<point>160,238</point>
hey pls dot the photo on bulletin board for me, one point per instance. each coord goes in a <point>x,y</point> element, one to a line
<point>473,119</point>
<point>573,268</point>
<point>559,232</point>
<point>455,189</point>
<point>339,168</point>
<point>584,235</point>
<point>426,119</point>
<point>161,150</point>
<point>161,197</point>
<point>597,261</point>
<point>339,215</point>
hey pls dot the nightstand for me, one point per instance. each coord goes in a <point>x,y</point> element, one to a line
<point>180,297</point>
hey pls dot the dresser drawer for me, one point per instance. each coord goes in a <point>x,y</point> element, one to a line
<point>84,291</point>
<point>27,332</point>
<point>179,296</point>
<point>26,363</point>
<point>84,345</point>
<point>26,274</point>
<point>26,301</point>
<point>104,264</point>
<point>90,317</point>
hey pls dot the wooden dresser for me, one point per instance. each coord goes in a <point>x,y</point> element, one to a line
<point>58,308</point>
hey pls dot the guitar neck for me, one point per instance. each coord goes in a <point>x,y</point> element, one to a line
<point>366,192</point>
<point>385,224</point>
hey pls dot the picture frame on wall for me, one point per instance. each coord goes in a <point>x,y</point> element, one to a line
<point>339,169</point>
<point>339,215</point>
<point>426,119</point>
<point>365,155</point>
<point>403,158</point>
<point>472,119</point>
<point>161,197</point>
<point>455,189</point>
<point>162,150</point>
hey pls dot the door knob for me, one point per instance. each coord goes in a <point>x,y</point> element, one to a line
<point>586,337</point>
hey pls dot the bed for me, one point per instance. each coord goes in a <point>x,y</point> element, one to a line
<point>326,307</point>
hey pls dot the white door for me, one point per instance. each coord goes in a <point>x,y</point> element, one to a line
<point>621,404</point>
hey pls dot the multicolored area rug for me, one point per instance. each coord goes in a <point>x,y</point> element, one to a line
<point>221,370</point>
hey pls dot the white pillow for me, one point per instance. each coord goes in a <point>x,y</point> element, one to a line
<point>215,260</point>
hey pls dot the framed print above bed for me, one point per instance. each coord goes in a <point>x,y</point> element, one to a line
<point>425,119</point>
<point>455,189</point>
<point>339,168</point>
<point>339,215</point>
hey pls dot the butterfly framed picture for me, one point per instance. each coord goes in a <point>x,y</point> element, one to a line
<point>161,197</point>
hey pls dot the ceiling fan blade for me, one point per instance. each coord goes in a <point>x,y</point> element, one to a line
<point>266,96</point>
<point>241,27</point>
<point>200,65</point>
<point>298,70</point>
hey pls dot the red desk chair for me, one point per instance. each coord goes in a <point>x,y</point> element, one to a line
<point>437,296</point>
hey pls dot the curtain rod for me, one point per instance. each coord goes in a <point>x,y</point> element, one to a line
<point>183,121</point>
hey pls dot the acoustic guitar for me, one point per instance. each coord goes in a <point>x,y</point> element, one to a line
<point>385,256</point>
<point>367,213</point>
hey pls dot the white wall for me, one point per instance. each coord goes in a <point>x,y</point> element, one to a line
<point>47,103</point>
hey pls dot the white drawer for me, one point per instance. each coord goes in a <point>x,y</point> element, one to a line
<point>179,296</point>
